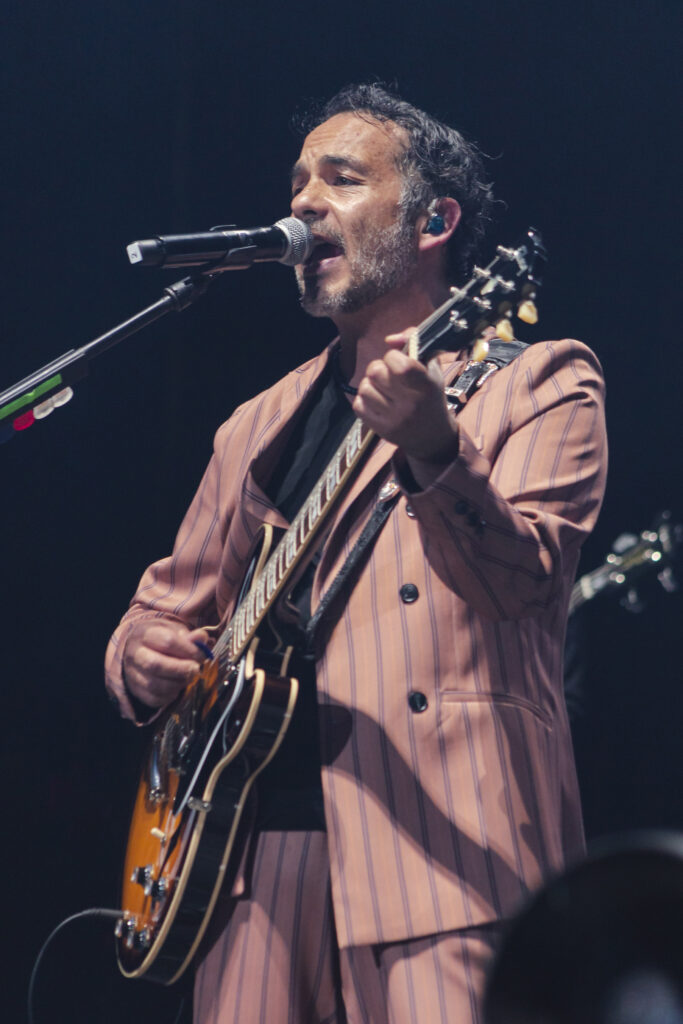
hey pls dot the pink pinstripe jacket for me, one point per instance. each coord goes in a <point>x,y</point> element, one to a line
<point>448,774</point>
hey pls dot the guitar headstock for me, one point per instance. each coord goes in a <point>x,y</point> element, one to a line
<point>652,552</point>
<point>505,288</point>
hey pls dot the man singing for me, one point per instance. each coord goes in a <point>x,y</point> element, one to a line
<point>427,782</point>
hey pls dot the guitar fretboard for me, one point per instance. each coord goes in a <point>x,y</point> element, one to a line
<point>268,584</point>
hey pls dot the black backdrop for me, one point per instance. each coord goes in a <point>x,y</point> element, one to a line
<point>125,119</point>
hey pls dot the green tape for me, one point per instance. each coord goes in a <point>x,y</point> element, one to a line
<point>30,397</point>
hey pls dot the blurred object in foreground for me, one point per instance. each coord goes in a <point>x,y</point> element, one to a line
<point>602,944</point>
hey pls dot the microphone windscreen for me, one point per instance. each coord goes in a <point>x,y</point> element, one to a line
<point>299,238</point>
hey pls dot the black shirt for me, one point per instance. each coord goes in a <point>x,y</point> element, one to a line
<point>290,794</point>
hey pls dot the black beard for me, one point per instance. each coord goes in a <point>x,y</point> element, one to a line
<point>383,261</point>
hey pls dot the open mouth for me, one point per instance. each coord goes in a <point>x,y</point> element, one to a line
<point>322,255</point>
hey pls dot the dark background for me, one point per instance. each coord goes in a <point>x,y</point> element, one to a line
<point>127,119</point>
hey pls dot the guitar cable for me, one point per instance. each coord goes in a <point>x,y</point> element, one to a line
<point>101,912</point>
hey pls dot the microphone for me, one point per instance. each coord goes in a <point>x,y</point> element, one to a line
<point>288,241</point>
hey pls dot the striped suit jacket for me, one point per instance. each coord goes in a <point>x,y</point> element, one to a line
<point>447,768</point>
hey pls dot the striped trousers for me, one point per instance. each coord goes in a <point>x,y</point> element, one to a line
<point>273,957</point>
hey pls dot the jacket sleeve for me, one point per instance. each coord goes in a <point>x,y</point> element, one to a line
<point>181,587</point>
<point>503,524</point>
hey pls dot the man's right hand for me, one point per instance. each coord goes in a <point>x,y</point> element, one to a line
<point>160,659</point>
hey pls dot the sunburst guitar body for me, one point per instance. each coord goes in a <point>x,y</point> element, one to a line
<point>207,751</point>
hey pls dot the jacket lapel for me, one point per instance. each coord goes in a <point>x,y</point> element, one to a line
<point>256,506</point>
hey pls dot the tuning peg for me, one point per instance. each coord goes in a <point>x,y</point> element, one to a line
<point>527,312</point>
<point>480,350</point>
<point>631,601</point>
<point>623,543</point>
<point>668,580</point>
<point>505,330</point>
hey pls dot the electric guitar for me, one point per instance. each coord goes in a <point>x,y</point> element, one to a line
<point>630,559</point>
<point>210,745</point>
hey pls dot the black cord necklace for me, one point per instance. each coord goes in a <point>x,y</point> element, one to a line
<point>339,378</point>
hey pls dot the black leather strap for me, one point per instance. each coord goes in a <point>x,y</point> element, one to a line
<point>379,516</point>
<point>500,353</point>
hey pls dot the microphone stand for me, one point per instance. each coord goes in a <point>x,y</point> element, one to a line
<point>48,388</point>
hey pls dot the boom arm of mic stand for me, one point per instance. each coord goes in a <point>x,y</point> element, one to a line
<point>18,402</point>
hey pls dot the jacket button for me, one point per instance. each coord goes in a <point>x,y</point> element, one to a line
<point>461,507</point>
<point>409,593</point>
<point>410,511</point>
<point>417,701</point>
<point>473,519</point>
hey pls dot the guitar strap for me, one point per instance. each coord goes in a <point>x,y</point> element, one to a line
<point>500,353</point>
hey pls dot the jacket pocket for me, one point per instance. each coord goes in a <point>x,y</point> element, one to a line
<point>501,699</point>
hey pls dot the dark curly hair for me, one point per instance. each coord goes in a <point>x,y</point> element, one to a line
<point>438,161</point>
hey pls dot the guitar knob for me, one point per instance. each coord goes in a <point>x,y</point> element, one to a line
<point>142,876</point>
<point>125,930</point>
<point>155,887</point>
<point>122,925</point>
<point>142,939</point>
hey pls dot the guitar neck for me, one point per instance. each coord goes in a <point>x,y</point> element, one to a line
<point>296,542</point>
<point>588,587</point>
<point>652,551</point>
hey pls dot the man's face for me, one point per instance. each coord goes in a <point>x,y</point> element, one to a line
<point>347,186</point>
